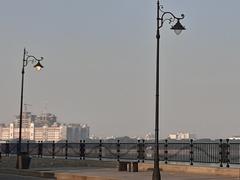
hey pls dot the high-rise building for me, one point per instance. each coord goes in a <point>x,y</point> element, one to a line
<point>77,132</point>
<point>50,133</point>
<point>45,119</point>
<point>27,119</point>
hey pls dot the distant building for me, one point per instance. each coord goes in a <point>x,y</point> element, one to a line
<point>45,119</point>
<point>77,132</point>
<point>50,133</point>
<point>43,128</point>
<point>149,136</point>
<point>4,131</point>
<point>181,136</point>
<point>94,137</point>
<point>235,138</point>
<point>8,132</point>
<point>172,136</point>
<point>27,119</point>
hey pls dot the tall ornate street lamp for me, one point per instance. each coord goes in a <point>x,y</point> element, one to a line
<point>178,27</point>
<point>38,66</point>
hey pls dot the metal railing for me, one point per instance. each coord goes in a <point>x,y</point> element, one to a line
<point>222,152</point>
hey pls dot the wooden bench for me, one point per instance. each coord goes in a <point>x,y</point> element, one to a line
<point>131,166</point>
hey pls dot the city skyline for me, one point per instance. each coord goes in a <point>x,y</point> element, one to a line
<point>44,128</point>
<point>53,119</point>
<point>99,65</point>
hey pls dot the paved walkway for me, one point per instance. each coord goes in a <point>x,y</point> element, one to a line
<point>47,169</point>
<point>105,174</point>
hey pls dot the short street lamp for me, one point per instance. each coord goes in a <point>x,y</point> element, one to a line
<point>178,27</point>
<point>38,66</point>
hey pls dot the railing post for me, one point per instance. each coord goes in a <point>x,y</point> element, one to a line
<point>118,150</point>
<point>166,151</point>
<point>39,149</point>
<point>7,149</point>
<point>80,145</point>
<point>138,150</point>
<point>191,152</point>
<point>53,149</point>
<point>82,150</point>
<point>66,149</point>
<point>100,150</point>
<point>228,153</point>
<point>28,147</point>
<point>143,150</point>
<point>221,153</point>
<point>1,150</point>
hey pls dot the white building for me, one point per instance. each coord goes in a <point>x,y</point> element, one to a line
<point>52,133</point>
<point>235,138</point>
<point>181,136</point>
<point>149,136</point>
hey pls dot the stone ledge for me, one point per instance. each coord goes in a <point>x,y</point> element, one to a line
<point>24,172</point>
<point>10,162</point>
<point>68,176</point>
<point>203,170</point>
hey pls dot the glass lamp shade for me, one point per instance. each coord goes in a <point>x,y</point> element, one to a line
<point>38,66</point>
<point>178,27</point>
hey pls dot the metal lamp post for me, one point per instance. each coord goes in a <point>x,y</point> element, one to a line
<point>38,66</point>
<point>169,17</point>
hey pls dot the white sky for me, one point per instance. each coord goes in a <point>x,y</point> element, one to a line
<point>100,65</point>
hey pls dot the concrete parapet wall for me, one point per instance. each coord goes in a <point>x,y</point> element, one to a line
<point>10,162</point>
<point>203,170</point>
<point>43,162</point>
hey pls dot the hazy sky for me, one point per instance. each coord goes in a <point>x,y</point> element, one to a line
<point>100,64</point>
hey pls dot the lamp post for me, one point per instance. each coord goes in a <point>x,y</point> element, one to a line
<point>169,17</point>
<point>38,66</point>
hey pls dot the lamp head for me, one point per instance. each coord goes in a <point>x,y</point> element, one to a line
<point>38,66</point>
<point>178,27</point>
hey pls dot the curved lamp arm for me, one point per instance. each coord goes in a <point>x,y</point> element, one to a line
<point>164,17</point>
<point>29,58</point>
<point>32,59</point>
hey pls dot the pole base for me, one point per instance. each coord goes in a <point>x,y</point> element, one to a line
<point>23,161</point>
<point>156,174</point>
<point>19,162</point>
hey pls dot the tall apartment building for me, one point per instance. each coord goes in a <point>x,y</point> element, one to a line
<point>27,119</point>
<point>77,132</point>
<point>45,119</point>
<point>50,133</point>
<point>4,131</point>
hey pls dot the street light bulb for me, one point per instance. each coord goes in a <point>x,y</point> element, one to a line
<point>38,66</point>
<point>177,31</point>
